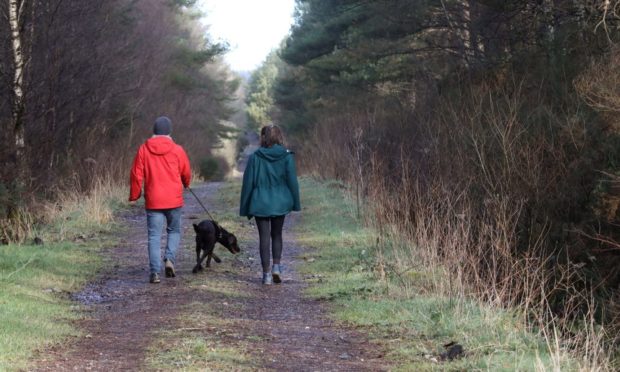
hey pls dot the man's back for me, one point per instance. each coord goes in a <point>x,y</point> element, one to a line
<point>164,168</point>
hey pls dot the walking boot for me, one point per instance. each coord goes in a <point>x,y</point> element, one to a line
<point>154,278</point>
<point>267,279</point>
<point>276,273</point>
<point>170,269</point>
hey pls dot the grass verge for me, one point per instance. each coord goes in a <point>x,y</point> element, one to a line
<point>348,268</point>
<point>36,279</point>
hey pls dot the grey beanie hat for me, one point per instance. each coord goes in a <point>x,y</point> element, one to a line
<point>163,126</point>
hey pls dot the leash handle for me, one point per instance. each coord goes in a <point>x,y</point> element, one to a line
<point>202,205</point>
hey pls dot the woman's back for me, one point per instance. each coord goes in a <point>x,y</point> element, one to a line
<point>269,192</point>
<point>270,184</point>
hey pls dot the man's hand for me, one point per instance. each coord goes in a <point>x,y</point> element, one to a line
<point>132,203</point>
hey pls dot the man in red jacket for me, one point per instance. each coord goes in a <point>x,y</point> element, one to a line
<point>164,168</point>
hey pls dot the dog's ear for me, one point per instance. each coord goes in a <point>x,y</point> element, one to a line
<point>196,227</point>
<point>231,239</point>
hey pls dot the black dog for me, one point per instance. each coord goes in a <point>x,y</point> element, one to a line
<point>207,234</point>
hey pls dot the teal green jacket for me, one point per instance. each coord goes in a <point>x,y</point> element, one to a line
<point>270,186</point>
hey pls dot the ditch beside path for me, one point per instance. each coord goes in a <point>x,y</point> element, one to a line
<point>276,326</point>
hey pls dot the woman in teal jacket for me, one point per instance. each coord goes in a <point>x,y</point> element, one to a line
<point>269,192</point>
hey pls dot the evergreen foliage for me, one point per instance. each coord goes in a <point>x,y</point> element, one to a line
<point>259,98</point>
<point>491,101</point>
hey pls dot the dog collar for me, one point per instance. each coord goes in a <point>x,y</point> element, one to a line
<point>219,234</point>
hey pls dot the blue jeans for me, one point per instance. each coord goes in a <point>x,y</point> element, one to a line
<point>155,223</point>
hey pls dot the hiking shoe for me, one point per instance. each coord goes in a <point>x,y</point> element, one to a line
<point>267,279</point>
<point>170,269</point>
<point>276,273</point>
<point>154,278</point>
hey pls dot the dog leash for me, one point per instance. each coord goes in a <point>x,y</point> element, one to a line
<point>202,205</point>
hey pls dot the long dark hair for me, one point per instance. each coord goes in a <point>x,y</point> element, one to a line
<point>271,135</point>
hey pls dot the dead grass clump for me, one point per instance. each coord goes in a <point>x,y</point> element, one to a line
<point>70,214</point>
<point>73,212</point>
<point>16,227</point>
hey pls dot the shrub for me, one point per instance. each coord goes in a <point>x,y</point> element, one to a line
<point>213,168</point>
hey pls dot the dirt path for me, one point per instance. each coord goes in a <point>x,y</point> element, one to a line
<point>294,332</point>
<point>275,325</point>
<point>122,308</point>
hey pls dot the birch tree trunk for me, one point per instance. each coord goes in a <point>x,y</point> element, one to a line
<point>16,20</point>
<point>466,31</point>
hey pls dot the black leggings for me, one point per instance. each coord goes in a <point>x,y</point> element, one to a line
<point>270,227</point>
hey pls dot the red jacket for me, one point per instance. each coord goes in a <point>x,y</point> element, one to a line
<point>164,167</point>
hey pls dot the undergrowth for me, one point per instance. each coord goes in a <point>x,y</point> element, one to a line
<point>350,267</point>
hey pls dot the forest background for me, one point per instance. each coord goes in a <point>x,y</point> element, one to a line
<point>480,137</point>
<point>81,83</point>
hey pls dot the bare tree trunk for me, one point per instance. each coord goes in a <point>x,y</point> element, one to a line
<point>16,15</point>
<point>475,11</point>
<point>549,26</point>
<point>466,33</point>
<point>460,22</point>
<point>580,16</point>
<point>132,116</point>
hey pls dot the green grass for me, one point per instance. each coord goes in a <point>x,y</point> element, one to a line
<point>35,308</point>
<point>198,354</point>
<point>343,268</point>
<point>36,280</point>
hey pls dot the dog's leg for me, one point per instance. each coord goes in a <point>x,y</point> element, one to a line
<point>216,258</point>
<point>198,249</point>
<point>199,259</point>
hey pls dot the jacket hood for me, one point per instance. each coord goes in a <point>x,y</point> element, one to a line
<point>160,145</point>
<point>273,153</point>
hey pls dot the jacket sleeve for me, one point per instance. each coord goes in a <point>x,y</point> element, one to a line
<point>291,181</point>
<point>185,168</point>
<point>246,188</point>
<point>136,176</point>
